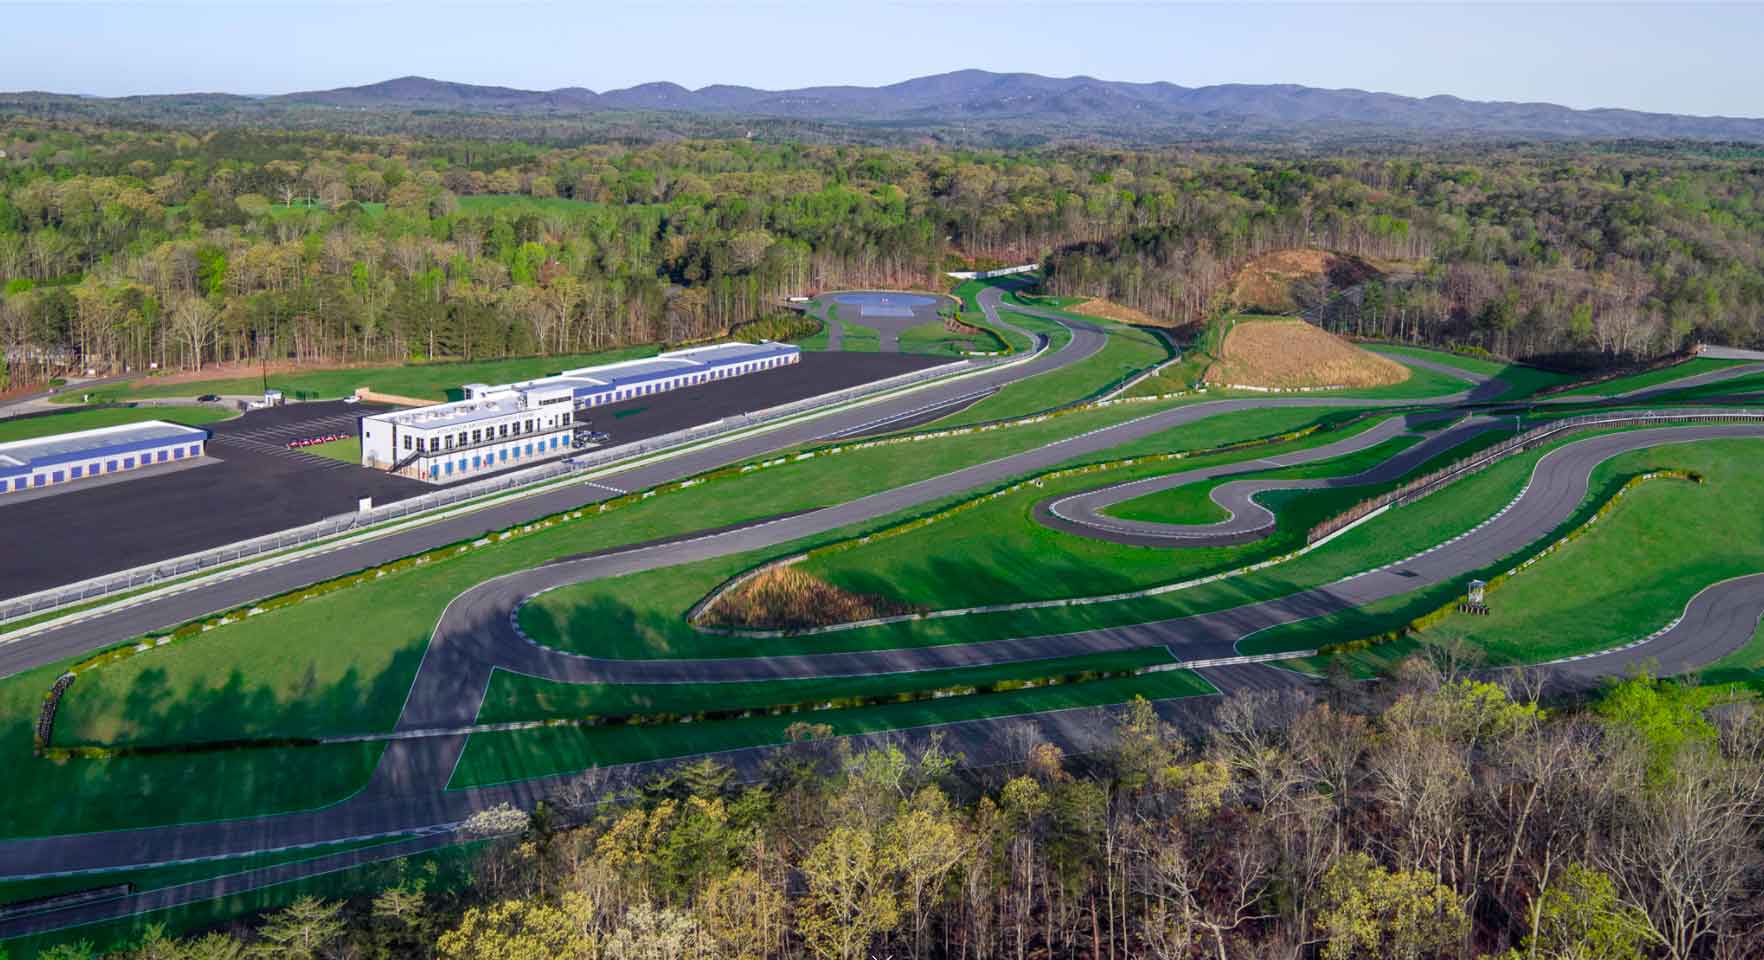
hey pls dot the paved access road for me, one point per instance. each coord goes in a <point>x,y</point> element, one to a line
<point>476,634</point>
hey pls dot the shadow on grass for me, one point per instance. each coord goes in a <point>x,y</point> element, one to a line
<point>152,711</point>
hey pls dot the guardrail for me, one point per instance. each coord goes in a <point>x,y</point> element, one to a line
<point>148,574</point>
<point>1422,486</point>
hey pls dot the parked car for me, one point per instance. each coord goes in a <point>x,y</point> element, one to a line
<point>208,398</point>
<point>352,398</point>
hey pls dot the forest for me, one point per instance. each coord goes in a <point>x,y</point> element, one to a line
<point>1433,815</point>
<point>125,247</point>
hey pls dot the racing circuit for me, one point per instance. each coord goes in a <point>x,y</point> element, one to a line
<point>478,633</point>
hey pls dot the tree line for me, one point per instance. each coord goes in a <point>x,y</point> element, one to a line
<point>128,247</point>
<point>1436,815</point>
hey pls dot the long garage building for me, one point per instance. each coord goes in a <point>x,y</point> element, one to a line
<point>67,457</point>
<point>514,424</point>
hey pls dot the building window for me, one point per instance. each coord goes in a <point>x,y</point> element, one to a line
<point>78,472</point>
<point>503,432</point>
<point>564,417</point>
<point>407,443</point>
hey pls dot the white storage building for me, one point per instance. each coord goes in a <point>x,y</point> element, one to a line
<point>67,457</point>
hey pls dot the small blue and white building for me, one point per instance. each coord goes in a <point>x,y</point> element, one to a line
<point>514,424</point>
<point>69,457</point>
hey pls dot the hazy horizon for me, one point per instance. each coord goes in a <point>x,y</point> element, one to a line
<point>1670,58</point>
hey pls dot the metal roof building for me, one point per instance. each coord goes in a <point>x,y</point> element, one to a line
<point>511,424</point>
<point>66,457</point>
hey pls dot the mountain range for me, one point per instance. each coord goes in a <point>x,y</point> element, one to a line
<point>1022,103</point>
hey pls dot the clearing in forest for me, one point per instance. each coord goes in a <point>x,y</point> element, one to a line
<point>1285,281</point>
<point>1284,353</point>
<point>1120,313</point>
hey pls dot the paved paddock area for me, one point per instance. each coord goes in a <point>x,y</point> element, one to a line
<point>814,375</point>
<point>256,485</point>
<point>889,313</point>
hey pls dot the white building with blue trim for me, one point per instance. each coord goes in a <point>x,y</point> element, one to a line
<point>68,457</point>
<point>514,424</point>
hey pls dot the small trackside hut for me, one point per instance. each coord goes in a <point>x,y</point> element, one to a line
<point>515,424</point>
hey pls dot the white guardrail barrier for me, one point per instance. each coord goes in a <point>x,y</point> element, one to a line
<point>177,567</point>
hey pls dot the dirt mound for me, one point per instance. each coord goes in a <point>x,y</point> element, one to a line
<point>1287,281</point>
<point>786,598</point>
<point>1121,313</point>
<point>1282,353</point>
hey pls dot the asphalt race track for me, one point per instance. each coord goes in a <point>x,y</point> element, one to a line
<point>1083,514</point>
<point>476,633</point>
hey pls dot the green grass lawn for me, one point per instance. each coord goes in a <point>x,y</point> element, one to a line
<point>74,796</point>
<point>1193,503</point>
<point>347,450</point>
<point>931,337</point>
<point>1128,351</point>
<point>1521,380</point>
<point>1185,374</point>
<point>816,341</point>
<point>1632,573</point>
<point>29,428</point>
<point>517,755</point>
<point>427,381</point>
<point>1652,378</point>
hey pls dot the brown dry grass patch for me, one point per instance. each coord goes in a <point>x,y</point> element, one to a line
<point>1276,352</point>
<point>786,598</point>
<point>1121,313</point>
<point>1267,283</point>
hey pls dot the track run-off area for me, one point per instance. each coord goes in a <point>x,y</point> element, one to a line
<point>412,799</point>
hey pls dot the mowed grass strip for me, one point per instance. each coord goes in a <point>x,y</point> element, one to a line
<point>1626,577</point>
<point>1521,380</point>
<point>424,381</point>
<point>492,758</point>
<point>30,428</point>
<point>1127,351</point>
<point>80,795</point>
<point>436,871</point>
<point>156,878</point>
<point>347,450</point>
<point>933,338</point>
<point>514,697</point>
<point>1653,378</point>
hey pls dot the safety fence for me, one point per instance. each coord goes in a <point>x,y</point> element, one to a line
<point>178,567</point>
<point>1439,479</point>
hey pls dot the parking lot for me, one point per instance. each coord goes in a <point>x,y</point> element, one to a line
<point>255,485</point>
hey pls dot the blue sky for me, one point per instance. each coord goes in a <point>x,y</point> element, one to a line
<point>1673,57</point>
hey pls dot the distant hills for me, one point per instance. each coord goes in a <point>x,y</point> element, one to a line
<point>1006,104</point>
